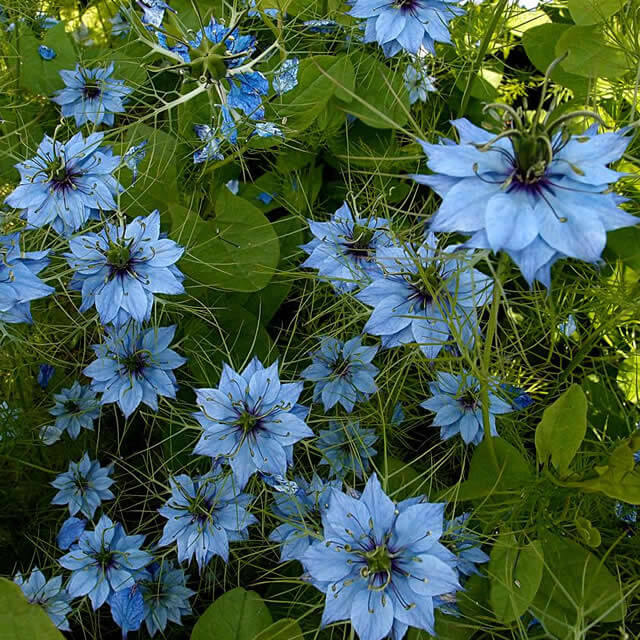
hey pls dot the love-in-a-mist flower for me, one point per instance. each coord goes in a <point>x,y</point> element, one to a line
<point>456,399</point>
<point>65,181</point>
<point>48,594</point>
<point>135,365</point>
<point>347,448</point>
<point>467,545</point>
<point>381,564</point>
<point>418,83</point>
<point>19,282</point>
<point>91,95</point>
<point>204,515</point>
<point>286,76</point>
<point>343,249</point>
<point>300,513</point>
<point>426,296</point>
<point>121,268</point>
<point>104,561</point>
<point>211,147</point>
<point>252,420</point>
<point>342,372</point>
<point>153,11</point>
<point>84,486</point>
<point>406,25</point>
<point>535,190</point>
<point>165,595</point>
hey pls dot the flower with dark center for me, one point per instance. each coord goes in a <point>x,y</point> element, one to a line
<point>251,421</point>
<point>347,448</point>
<point>381,564</point>
<point>49,594</point>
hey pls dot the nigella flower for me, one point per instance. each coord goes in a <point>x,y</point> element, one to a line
<point>153,11</point>
<point>418,83</point>
<point>204,514</point>
<point>46,53</point>
<point>104,561</point>
<point>519,398</point>
<point>569,326</point>
<point>343,372</point>
<point>19,282</point>
<point>120,27</point>
<point>286,76</point>
<point>534,191</point>
<point>380,564</point>
<point>251,420</point>
<point>165,595</point>
<point>76,408</point>
<point>406,24</point>
<point>45,373</point>
<point>301,515</point>
<point>343,249</point>
<point>211,148</point>
<point>267,130</point>
<point>133,157</point>
<point>347,449</point>
<point>70,532</point>
<point>456,400</point>
<point>64,182</point>
<point>426,296</point>
<point>49,594</point>
<point>91,95</point>
<point>135,365</point>
<point>121,268</point>
<point>467,545</point>
<point>84,486</point>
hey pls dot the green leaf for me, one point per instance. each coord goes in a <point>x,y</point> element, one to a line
<point>484,85</point>
<point>237,250</point>
<point>562,429</point>
<point>586,12</point>
<point>629,378</point>
<point>625,244</point>
<point>589,54</point>
<point>21,620</point>
<point>575,589</point>
<point>235,615</point>
<point>286,629</point>
<point>515,573</point>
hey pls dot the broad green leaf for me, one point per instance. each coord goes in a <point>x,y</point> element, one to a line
<point>629,378</point>
<point>484,85</point>
<point>562,429</point>
<point>286,629</point>
<point>21,620</point>
<point>575,590</point>
<point>589,55</point>
<point>585,12</point>
<point>625,244</point>
<point>236,615</point>
<point>515,572</point>
<point>237,250</point>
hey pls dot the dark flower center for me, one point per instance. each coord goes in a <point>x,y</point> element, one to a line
<point>359,244</point>
<point>341,368</point>
<point>468,400</point>
<point>136,363</point>
<point>91,89</point>
<point>406,5</point>
<point>425,286</point>
<point>71,406</point>
<point>60,176</point>
<point>533,155</point>
<point>105,558</point>
<point>247,421</point>
<point>119,259</point>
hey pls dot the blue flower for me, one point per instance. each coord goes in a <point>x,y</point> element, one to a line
<point>127,609</point>
<point>539,203</point>
<point>519,399</point>
<point>65,182</point>
<point>406,24</point>
<point>380,564</point>
<point>133,157</point>
<point>120,269</point>
<point>347,449</point>
<point>254,13</point>
<point>320,26</point>
<point>426,296</point>
<point>267,130</point>
<point>153,11</point>
<point>104,561</point>
<point>626,513</point>
<point>119,26</point>
<point>286,76</point>
<point>343,372</point>
<point>70,532</point>
<point>301,513</point>
<point>418,83</point>
<point>49,594</point>
<point>165,595</point>
<point>246,93</point>
<point>343,249</point>
<point>45,373</point>
<point>569,326</point>
<point>251,420</point>
<point>91,95</point>
<point>46,53</point>
<point>19,282</point>
<point>76,408</point>
<point>84,486</point>
<point>204,514</point>
<point>467,545</point>
<point>455,398</point>
<point>134,366</point>
<point>211,148</point>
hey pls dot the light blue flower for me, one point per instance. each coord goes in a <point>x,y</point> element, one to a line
<point>342,372</point>
<point>418,83</point>
<point>537,198</point>
<point>347,449</point>
<point>569,326</point>
<point>127,609</point>
<point>104,561</point>
<point>301,515</point>
<point>467,545</point>
<point>84,486</point>
<point>76,408</point>
<point>426,296</point>
<point>19,282</point>
<point>133,157</point>
<point>121,268</point>
<point>211,148</point>
<point>251,421</point>
<point>406,24</point>
<point>91,95</point>
<point>267,130</point>
<point>153,11</point>
<point>48,594</point>
<point>343,249</point>
<point>46,53</point>
<point>65,182</point>
<point>455,398</point>
<point>380,564</point>
<point>203,515</point>
<point>70,532</point>
<point>134,366</point>
<point>286,76</point>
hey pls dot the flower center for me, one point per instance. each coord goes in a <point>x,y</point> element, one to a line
<point>359,244</point>
<point>247,422</point>
<point>71,406</point>
<point>119,259</point>
<point>533,155</point>
<point>425,286</point>
<point>341,368</point>
<point>91,89</point>
<point>136,363</point>
<point>59,174</point>
<point>468,400</point>
<point>105,558</point>
<point>378,560</point>
<point>406,5</point>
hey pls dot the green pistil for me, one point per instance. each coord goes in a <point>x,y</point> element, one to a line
<point>57,170</point>
<point>104,558</point>
<point>378,560</point>
<point>118,256</point>
<point>360,244</point>
<point>208,60</point>
<point>135,362</point>
<point>247,422</point>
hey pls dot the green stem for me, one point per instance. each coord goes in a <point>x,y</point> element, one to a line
<point>484,45</point>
